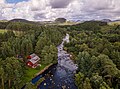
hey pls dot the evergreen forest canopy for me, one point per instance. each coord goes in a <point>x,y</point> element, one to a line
<point>31,38</point>
<point>94,45</point>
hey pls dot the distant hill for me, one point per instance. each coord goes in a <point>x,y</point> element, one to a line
<point>118,20</point>
<point>19,20</point>
<point>24,21</point>
<point>106,20</point>
<point>60,20</point>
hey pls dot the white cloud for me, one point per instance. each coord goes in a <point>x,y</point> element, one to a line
<point>60,3</point>
<point>19,10</point>
<point>2,1</point>
<point>38,4</point>
<point>70,9</point>
<point>99,9</point>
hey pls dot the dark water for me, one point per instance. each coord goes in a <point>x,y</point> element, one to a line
<point>57,78</point>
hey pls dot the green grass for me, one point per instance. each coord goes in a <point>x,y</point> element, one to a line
<point>17,33</point>
<point>114,23</point>
<point>3,30</point>
<point>68,23</point>
<point>31,73</point>
<point>3,21</point>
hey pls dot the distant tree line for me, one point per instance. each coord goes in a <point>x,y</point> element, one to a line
<point>3,25</point>
<point>87,25</point>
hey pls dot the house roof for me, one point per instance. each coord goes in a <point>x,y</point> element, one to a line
<point>34,59</point>
<point>33,55</point>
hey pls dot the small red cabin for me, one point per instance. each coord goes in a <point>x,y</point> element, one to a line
<point>33,60</point>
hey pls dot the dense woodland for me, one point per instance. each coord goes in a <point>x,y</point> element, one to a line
<point>95,47</point>
<point>32,38</point>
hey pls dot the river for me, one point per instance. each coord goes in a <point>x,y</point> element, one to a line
<point>61,76</point>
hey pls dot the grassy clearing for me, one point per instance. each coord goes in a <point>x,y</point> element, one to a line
<point>68,23</point>
<point>17,33</point>
<point>3,21</point>
<point>114,23</point>
<point>31,73</point>
<point>3,30</point>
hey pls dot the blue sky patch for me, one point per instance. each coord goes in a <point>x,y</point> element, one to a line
<point>15,1</point>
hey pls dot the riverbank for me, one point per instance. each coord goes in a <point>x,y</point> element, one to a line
<point>43,70</point>
<point>43,73</point>
<point>30,73</point>
<point>33,73</point>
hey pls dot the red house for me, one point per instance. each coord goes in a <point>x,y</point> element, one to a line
<point>33,60</point>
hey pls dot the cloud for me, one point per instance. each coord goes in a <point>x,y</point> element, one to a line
<point>94,5</point>
<point>38,4</point>
<point>19,10</point>
<point>98,9</point>
<point>60,3</point>
<point>40,16</point>
<point>2,1</point>
<point>70,9</point>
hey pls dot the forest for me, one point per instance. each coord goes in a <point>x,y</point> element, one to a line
<point>32,38</point>
<point>95,47</point>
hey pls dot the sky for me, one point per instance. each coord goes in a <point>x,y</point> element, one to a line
<point>45,10</point>
<point>15,1</point>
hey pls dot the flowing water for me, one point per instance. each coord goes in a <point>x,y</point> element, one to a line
<point>60,76</point>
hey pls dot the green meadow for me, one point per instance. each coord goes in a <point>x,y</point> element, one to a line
<point>3,30</point>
